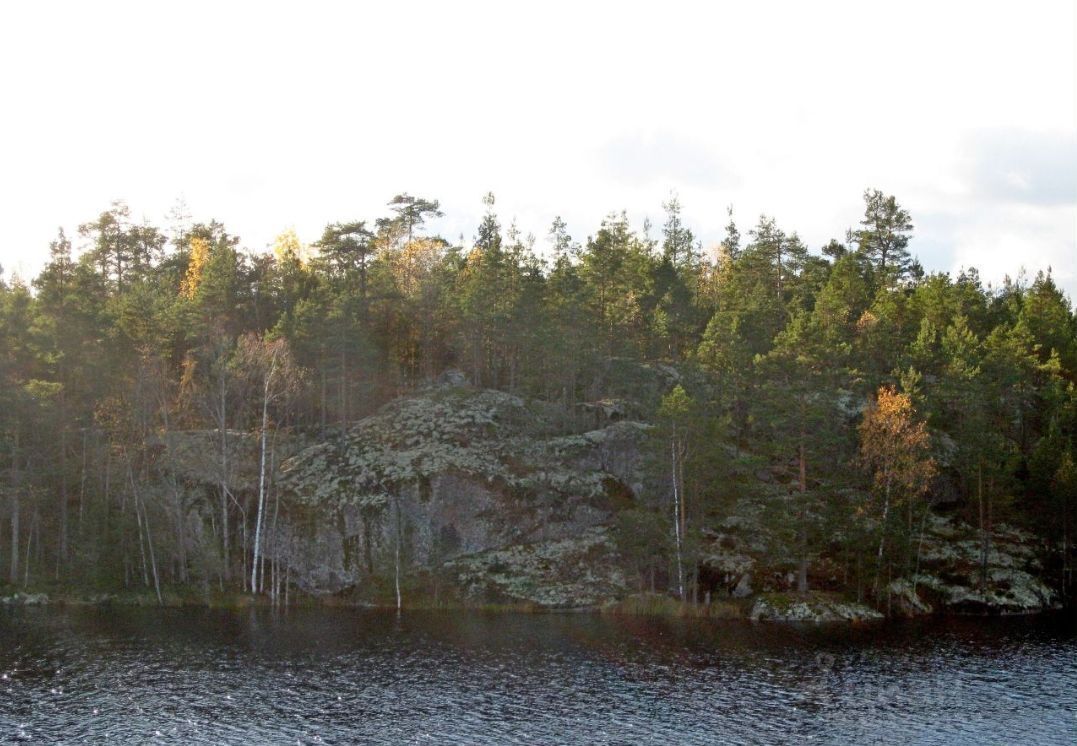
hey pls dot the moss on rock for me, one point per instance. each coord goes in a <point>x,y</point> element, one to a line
<point>567,573</point>
<point>809,607</point>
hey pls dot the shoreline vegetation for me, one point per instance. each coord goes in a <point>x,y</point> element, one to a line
<point>638,605</point>
<point>632,422</point>
<point>814,604</point>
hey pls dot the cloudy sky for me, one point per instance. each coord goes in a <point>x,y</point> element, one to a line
<point>270,116</point>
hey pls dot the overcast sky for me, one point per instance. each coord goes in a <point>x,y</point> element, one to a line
<point>270,116</point>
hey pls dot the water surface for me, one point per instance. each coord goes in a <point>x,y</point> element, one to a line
<point>344,676</point>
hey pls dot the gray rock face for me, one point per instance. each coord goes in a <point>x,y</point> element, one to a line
<point>452,377</point>
<point>455,473</point>
<point>953,577</point>
<point>905,599</point>
<point>563,573</point>
<point>729,557</point>
<point>24,599</point>
<point>817,608</point>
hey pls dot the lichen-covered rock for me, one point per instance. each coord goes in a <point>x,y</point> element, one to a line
<point>1007,591</point>
<point>451,472</point>
<point>904,599</point>
<point>812,607</point>
<point>954,577</point>
<point>756,543</point>
<point>24,599</point>
<point>496,488</point>
<point>489,436</point>
<point>623,387</point>
<point>566,573</point>
<point>728,558</point>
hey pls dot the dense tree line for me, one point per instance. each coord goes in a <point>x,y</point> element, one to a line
<point>863,373</point>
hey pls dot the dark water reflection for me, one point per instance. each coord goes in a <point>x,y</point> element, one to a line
<point>342,676</point>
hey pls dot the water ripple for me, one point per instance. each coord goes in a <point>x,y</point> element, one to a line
<point>338,677</point>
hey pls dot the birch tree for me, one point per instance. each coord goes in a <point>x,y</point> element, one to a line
<point>276,374</point>
<point>674,411</point>
<point>895,448</point>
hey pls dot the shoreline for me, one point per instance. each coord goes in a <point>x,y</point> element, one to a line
<point>639,606</point>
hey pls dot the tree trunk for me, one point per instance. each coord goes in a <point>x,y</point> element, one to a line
<point>882,538</point>
<point>262,475</point>
<point>1066,572</point>
<point>677,518</point>
<point>276,513</point>
<point>802,533</point>
<point>14,538</point>
<point>343,386</point>
<point>983,525</point>
<point>222,422</point>
<point>15,488</point>
<point>990,526</point>
<point>61,554</point>
<point>399,602</point>
<point>325,394</point>
<point>82,483</point>
<point>29,541</point>
<point>138,520</point>
<point>287,579</point>
<point>919,548</point>
<point>181,530</point>
<point>859,576</point>
<point>149,536</point>
<point>368,550</point>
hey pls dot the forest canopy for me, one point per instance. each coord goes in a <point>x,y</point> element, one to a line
<point>847,361</point>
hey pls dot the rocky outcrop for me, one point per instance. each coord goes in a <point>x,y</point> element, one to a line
<point>752,549</point>
<point>566,573</point>
<point>809,607</point>
<point>24,599</point>
<point>729,560</point>
<point>955,578</point>
<point>454,472</point>
<point>509,502</point>
<point>904,599</point>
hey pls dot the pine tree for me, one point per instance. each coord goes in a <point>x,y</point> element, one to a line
<point>883,238</point>
<point>677,240</point>
<point>413,212</point>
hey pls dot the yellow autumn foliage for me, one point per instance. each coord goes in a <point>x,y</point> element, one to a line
<point>895,446</point>
<point>195,266</point>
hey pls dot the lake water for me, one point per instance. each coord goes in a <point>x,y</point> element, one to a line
<point>343,676</point>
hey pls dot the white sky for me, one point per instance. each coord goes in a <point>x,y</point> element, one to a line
<point>267,116</point>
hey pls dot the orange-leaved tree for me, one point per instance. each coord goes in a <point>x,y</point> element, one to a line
<point>895,448</point>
